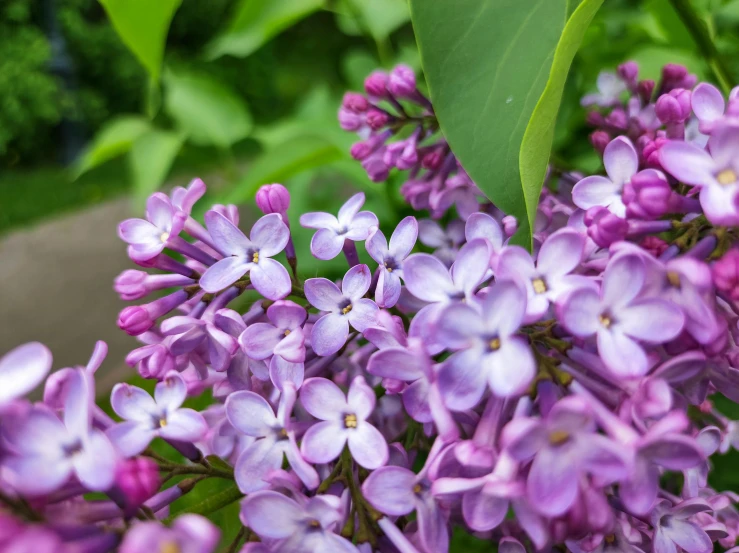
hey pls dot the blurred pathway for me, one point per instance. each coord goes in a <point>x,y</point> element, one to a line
<point>56,283</point>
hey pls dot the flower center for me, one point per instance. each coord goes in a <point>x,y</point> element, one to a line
<point>169,547</point>
<point>255,257</point>
<point>610,538</point>
<point>417,488</point>
<point>558,437</point>
<point>162,422</point>
<point>346,309</point>
<point>673,278</point>
<point>164,237</point>
<point>539,285</point>
<point>287,332</point>
<point>494,344</point>
<point>727,176</point>
<point>605,320</point>
<point>73,449</point>
<point>282,433</point>
<point>314,524</point>
<point>350,421</point>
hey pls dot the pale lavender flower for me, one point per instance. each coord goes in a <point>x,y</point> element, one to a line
<point>344,307</point>
<point>148,238</point>
<point>488,350</point>
<point>622,163</point>
<point>147,417</point>
<point>564,446</point>
<point>391,259</point>
<point>620,318</point>
<point>22,369</point>
<point>708,105</point>
<point>292,527</point>
<point>188,333</point>
<point>673,529</point>
<point>250,414</point>
<point>445,242</point>
<point>351,224</point>
<point>610,88</point>
<point>252,255</point>
<point>343,421</point>
<point>550,277</point>
<point>714,171</point>
<point>46,451</point>
<point>482,225</point>
<point>189,533</point>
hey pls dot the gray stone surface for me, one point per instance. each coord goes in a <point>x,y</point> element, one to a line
<point>56,287</point>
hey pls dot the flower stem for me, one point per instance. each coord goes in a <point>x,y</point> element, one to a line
<point>702,36</point>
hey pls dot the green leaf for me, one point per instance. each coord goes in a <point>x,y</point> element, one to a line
<point>210,503</point>
<point>378,17</point>
<point>282,162</point>
<point>113,140</point>
<point>206,110</point>
<point>651,59</point>
<point>255,22</point>
<point>537,140</point>
<point>142,26</point>
<point>151,158</point>
<point>487,63</point>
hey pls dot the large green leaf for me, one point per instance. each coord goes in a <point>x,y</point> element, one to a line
<point>143,26</point>
<point>206,110</point>
<point>487,63</point>
<point>378,18</point>
<point>257,21</point>
<point>151,158</point>
<point>113,140</point>
<point>537,140</point>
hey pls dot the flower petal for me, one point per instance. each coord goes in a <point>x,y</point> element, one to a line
<point>594,191</point>
<point>329,334</point>
<point>323,442</point>
<point>390,490</point>
<point>326,244</point>
<point>621,160</point>
<point>361,398</point>
<point>323,294</point>
<point>363,314</point>
<point>427,278</point>
<point>404,238</point>
<point>250,413</point>
<point>184,425</point>
<point>282,371</point>
<point>171,392</point>
<point>511,368</point>
<point>254,463</point>
<point>376,246</point>
<point>553,481</point>
<point>95,465</point>
<point>270,235</point>
<point>461,381</point>
<point>271,279</point>
<point>350,208</point>
<point>271,514</point>
<point>482,225</point>
<point>504,308</point>
<point>323,399</point>
<point>223,273</point>
<point>363,224</point>
<point>579,312</point>
<point>687,162</point>
<point>22,369</point>
<point>227,236</point>
<point>623,279</point>
<point>652,320</point>
<point>131,437</point>
<point>367,446</point>
<point>622,355</point>
<point>707,102</point>
<point>286,314</point>
<point>356,282</point>
<point>259,340</point>
<point>388,288</point>
<point>36,476</point>
<point>473,261</point>
<point>132,403</point>
<point>483,512</point>
<point>561,253</point>
<point>318,220</point>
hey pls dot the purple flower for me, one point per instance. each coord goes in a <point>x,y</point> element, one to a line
<point>564,446</point>
<point>268,237</point>
<point>292,527</point>
<point>148,238</point>
<point>622,163</point>
<point>250,414</point>
<point>138,479</point>
<point>46,452</point>
<point>346,306</point>
<point>391,259</point>
<point>488,350</point>
<point>446,243</point>
<point>708,105</point>
<point>482,225</point>
<point>610,88</point>
<point>189,534</point>
<point>550,277</point>
<point>673,530</point>
<point>273,198</point>
<point>22,369</point>
<point>343,421</point>
<point>620,319</point>
<point>397,491</point>
<point>147,418</point>
<point>713,171</point>
<point>351,224</point>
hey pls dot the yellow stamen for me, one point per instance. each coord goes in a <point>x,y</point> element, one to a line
<point>389,269</point>
<point>727,176</point>
<point>539,285</point>
<point>283,433</point>
<point>170,547</point>
<point>558,437</point>
<point>255,257</point>
<point>350,421</point>
<point>314,524</point>
<point>347,309</point>
<point>417,488</point>
<point>287,332</point>
<point>673,278</point>
<point>605,320</point>
<point>610,538</point>
<point>164,237</point>
<point>494,344</point>
<point>162,422</point>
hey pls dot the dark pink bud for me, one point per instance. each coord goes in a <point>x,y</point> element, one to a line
<point>654,245</point>
<point>726,273</point>
<point>377,119</point>
<point>273,198</point>
<point>432,160</point>
<point>617,118</point>
<point>350,120</point>
<point>647,195</point>
<point>355,102</point>
<point>674,107</point>
<point>595,119</point>
<point>138,479</point>
<point>402,82</point>
<point>645,89</point>
<point>376,84</point>
<point>604,227</point>
<point>130,285</point>
<point>134,320</point>
<point>376,168</point>
<point>629,72</point>
<point>360,150</point>
<point>674,72</point>
<point>599,140</point>
<point>651,152</point>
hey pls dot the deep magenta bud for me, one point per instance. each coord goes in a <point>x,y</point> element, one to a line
<point>402,82</point>
<point>376,84</point>
<point>350,120</point>
<point>645,89</point>
<point>604,227</point>
<point>599,140</point>
<point>134,320</point>
<point>647,195</point>
<point>595,119</point>
<point>355,102</point>
<point>376,168</point>
<point>360,150</point>
<point>673,107</point>
<point>674,72</point>
<point>651,152</point>
<point>432,160</point>
<point>273,198</point>
<point>377,119</point>
<point>618,119</point>
<point>725,273</point>
<point>654,245</point>
<point>138,479</point>
<point>629,72</point>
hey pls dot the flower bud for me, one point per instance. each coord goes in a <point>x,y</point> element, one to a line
<point>645,89</point>
<point>595,119</point>
<point>376,84</point>
<point>355,102</point>
<point>134,320</point>
<point>510,225</point>
<point>651,152</point>
<point>673,107</point>
<point>360,150</point>
<point>725,273</point>
<point>599,140</point>
<point>273,198</point>
<point>350,120</point>
<point>154,361</point>
<point>432,160</point>
<point>654,245</point>
<point>376,168</point>
<point>674,72</point>
<point>629,72</point>
<point>376,118</point>
<point>402,82</point>
<point>604,227</point>
<point>130,285</point>
<point>617,118</point>
<point>138,479</point>
<point>647,195</point>
<point>230,212</point>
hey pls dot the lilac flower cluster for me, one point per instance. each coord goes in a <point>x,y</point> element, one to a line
<point>546,401</point>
